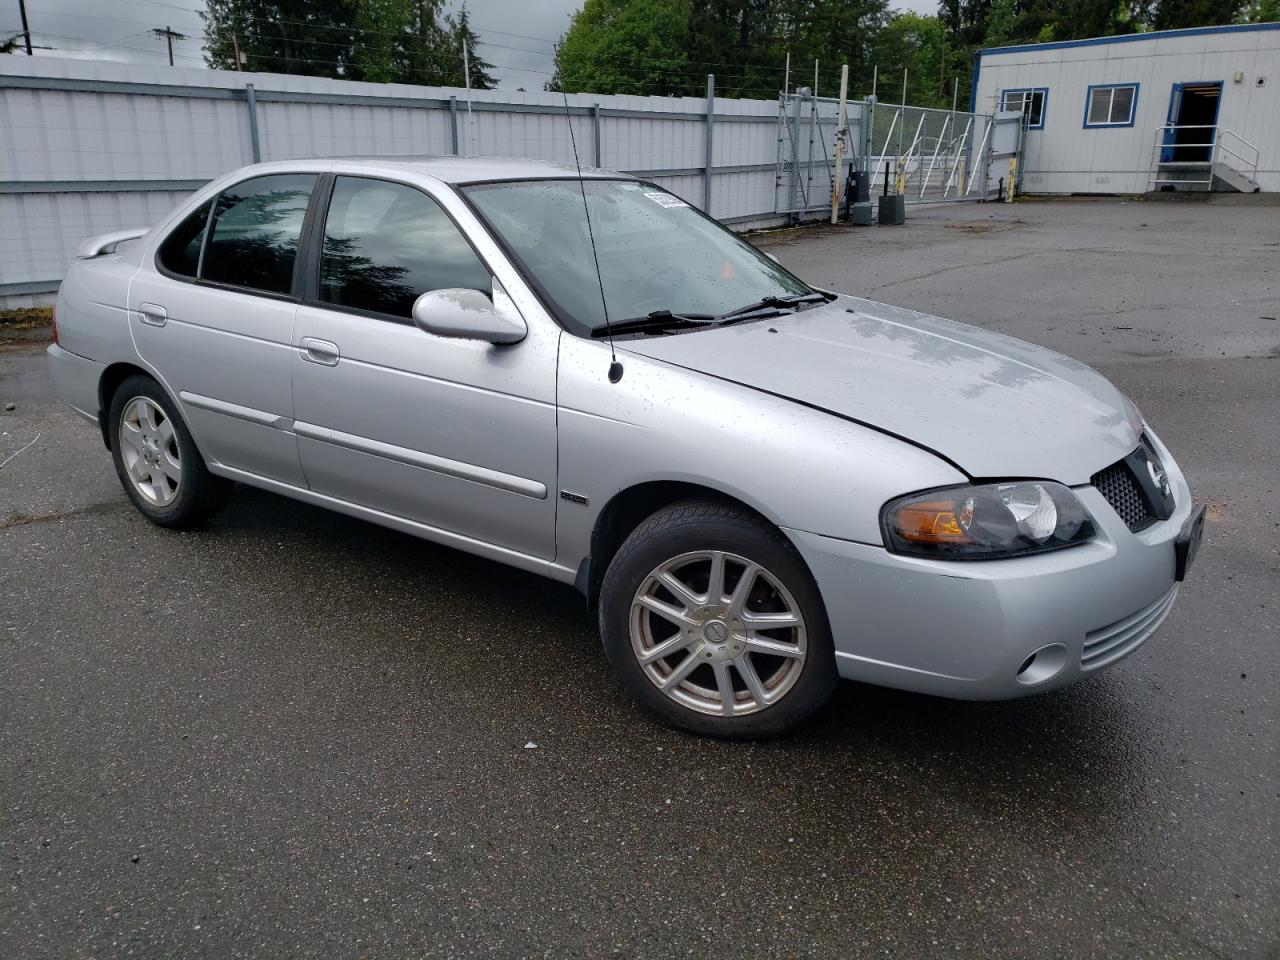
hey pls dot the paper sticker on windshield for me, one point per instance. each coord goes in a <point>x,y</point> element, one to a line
<point>666,200</point>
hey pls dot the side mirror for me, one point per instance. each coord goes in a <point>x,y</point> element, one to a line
<point>466,315</point>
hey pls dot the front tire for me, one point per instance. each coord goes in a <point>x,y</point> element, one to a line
<point>156,459</point>
<point>711,620</point>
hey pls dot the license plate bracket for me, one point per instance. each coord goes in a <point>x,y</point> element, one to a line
<point>1187,545</point>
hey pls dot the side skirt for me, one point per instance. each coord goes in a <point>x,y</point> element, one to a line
<point>480,548</point>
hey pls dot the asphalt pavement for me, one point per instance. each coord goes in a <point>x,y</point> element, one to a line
<point>294,734</point>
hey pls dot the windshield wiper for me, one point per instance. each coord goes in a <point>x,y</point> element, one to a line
<point>655,322</point>
<point>772,303</point>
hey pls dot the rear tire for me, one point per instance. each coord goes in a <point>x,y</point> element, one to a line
<point>156,459</point>
<point>735,661</point>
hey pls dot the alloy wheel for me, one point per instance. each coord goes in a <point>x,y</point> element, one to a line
<point>149,448</point>
<point>718,633</point>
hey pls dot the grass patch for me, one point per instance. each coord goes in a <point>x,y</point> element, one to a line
<point>28,318</point>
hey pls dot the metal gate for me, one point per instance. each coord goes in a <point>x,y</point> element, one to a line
<point>805,175</point>
<point>928,155</point>
<point>1004,161</point>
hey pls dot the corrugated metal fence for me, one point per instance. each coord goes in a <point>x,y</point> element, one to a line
<point>91,147</point>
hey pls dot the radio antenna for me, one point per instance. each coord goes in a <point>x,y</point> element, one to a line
<point>615,368</point>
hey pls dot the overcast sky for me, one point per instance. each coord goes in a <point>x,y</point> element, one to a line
<point>517,34</point>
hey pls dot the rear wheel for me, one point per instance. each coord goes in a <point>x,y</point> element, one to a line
<point>157,461</point>
<point>711,620</point>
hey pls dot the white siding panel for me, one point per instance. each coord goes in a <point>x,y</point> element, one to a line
<point>55,135</point>
<point>55,223</point>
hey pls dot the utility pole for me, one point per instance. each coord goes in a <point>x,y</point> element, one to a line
<point>466,78</point>
<point>168,33</point>
<point>26,30</point>
<point>842,132</point>
<point>235,42</point>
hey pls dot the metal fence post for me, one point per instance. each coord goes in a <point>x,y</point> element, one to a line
<point>453,123</point>
<point>252,100</point>
<point>595,133</point>
<point>711,119</point>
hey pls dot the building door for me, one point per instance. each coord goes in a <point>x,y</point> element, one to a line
<point>1193,114</point>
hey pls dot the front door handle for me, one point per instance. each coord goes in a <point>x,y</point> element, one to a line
<point>153,314</point>
<point>319,351</point>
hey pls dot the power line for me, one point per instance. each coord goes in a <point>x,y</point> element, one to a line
<point>744,79</point>
<point>734,75</point>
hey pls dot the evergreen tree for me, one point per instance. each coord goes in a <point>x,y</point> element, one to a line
<point>311,37</point>
<point>384,41</point>
<point>1172,14</point>
<point>1262,11</point>
<point>462,37</point>
<point>916,44</point>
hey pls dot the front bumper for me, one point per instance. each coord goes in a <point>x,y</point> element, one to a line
<point>967,629</point>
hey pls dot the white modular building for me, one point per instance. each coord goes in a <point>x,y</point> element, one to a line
<point>1193,109</point>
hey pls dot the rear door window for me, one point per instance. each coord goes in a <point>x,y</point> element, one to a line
<point>253,240</point>
<point>387,243</point>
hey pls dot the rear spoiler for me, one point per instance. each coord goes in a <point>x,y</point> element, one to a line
<point>107,242</point>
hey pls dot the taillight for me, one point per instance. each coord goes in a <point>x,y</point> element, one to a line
<point>53,322</point>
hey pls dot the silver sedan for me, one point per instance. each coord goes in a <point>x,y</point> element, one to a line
<point>758,485</point>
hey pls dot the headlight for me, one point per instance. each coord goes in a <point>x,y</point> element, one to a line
<point>1136,420</point>
<point>986,522</point>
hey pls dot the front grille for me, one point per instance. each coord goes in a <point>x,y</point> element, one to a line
<point>1117,484</point>
<point>1109,644</point>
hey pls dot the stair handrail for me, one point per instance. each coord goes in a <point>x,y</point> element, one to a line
<point>1251,164</point>
<point>1216,144</point>
<point>1159,143</point>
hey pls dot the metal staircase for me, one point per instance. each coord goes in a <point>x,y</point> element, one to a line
<point>1202,158</point>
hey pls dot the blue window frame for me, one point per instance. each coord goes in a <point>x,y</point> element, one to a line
<point>1031,102</point>
<point>1110,105</point>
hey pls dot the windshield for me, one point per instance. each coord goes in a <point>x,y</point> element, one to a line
<point>656,252</point>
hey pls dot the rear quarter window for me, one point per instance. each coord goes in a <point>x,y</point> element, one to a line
<point>180,251</point>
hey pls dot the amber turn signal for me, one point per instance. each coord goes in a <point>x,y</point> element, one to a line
<point>934,521</point>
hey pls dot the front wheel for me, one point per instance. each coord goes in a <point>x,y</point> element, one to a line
<point>711,620</point>
<point>156,459</point>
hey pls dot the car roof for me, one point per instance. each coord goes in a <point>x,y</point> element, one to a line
<point>479,169</point>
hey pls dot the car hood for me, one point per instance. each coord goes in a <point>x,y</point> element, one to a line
<point>992,405</point>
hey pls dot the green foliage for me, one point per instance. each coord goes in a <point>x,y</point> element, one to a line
<point>1172,14</point>
<point>384,41</point>
<point>625,46</point>
<point>310,37</point>
<point>916,44</point>
<point>669,46</point>
<point>1002,24</point>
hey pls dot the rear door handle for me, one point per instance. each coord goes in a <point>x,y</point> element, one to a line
<point>319,351</point>
<point>153,314</point>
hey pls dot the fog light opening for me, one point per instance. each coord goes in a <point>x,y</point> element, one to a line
<point>1043,665</point>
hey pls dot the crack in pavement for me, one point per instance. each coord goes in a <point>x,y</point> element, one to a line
<point>959,266</point>
<point>19,519</point>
